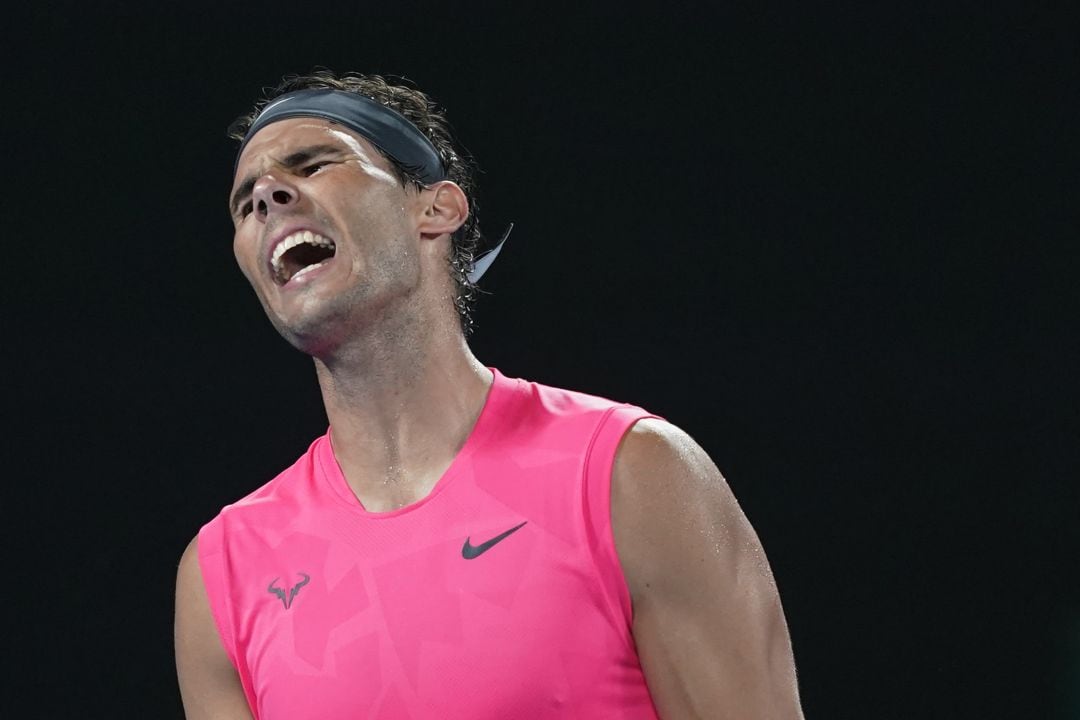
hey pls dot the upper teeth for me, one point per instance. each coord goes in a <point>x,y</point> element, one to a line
<point>304,236</point>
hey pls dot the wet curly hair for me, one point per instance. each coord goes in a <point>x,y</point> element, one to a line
<point>422,112</point>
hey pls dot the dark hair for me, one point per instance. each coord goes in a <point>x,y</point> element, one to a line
<point>431,120</point>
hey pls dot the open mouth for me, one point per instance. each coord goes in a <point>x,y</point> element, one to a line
<point>300,253</point>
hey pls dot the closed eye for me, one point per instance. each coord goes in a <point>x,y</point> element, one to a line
<point>309,170</point>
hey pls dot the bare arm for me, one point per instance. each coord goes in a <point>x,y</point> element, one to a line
<point>209,684</point>
<point>708,623</point>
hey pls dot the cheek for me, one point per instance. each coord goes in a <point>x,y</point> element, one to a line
<point>244,252</point>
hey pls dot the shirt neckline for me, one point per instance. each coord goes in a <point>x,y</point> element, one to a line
<point>327,465</point>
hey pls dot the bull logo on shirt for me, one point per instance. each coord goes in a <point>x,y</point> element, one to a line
<point>287,597</point>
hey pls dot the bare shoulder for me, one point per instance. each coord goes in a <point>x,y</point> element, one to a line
<point>192,604</point>
<point>654,454</point>
<point>209,684</point>
<point>672,508</point>
<point>188,570</point>
<point>708,623</point>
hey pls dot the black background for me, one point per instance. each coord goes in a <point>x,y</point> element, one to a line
<point>837,247</point>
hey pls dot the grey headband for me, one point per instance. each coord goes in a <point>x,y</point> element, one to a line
<point>386,129</point>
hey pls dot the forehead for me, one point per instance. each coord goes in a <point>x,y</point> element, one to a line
<point>278,140</point>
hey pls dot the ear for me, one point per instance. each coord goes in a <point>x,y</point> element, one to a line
<point>445,209</point>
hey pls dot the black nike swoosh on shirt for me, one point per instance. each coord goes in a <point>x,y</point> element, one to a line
<point>469,551</point>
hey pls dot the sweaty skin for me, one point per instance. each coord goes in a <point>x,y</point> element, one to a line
<point>402,391</point>
<point>708,624</point>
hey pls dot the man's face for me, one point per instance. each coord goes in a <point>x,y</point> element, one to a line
<point>324,228</point>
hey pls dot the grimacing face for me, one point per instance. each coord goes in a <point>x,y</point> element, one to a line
<point>324,229</point>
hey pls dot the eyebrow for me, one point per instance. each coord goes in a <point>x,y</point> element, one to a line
<point>290,161</point>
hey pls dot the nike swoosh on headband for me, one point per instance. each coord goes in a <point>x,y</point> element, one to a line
<point>482,263</point>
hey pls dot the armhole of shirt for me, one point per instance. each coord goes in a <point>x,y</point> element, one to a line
<point>212,565</point>
<point>599,463</point>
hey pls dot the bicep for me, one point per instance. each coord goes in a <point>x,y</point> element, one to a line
<point>209,684</point>
<point>707,621</point>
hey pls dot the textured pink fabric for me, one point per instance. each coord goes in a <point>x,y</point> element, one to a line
<point>393,622</point>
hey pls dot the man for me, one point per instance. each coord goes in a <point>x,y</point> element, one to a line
<point>459,544</point>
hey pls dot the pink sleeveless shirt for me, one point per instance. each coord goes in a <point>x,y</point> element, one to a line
<point>499,595</point>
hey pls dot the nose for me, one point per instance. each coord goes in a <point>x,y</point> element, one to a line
<point>272,194</point>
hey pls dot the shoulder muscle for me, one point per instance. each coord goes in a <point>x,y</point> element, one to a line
<point>209,684</point>
<point>707,618</point>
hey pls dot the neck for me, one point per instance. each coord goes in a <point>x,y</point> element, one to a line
<point>400,407</point>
